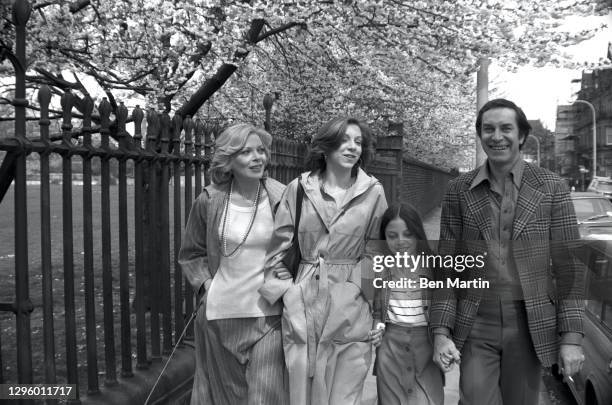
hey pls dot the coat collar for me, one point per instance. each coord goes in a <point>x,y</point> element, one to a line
<point>478,204</point>
<point>312,183</point>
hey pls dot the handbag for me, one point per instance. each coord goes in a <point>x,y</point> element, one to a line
<point>294,255</point>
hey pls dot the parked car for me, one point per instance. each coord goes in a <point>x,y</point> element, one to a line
<point>593,384</point>
<point>601,185</point>
<point>594,214</point>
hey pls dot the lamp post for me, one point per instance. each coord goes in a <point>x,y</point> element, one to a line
<point>594,134</point>
<point>537,143</point>
<point>583,171</point>
<point>482,96</point>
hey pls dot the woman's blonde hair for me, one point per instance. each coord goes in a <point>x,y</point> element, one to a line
<point>229,143</point>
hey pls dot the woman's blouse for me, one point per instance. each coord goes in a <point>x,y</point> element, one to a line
<point>233,292</point>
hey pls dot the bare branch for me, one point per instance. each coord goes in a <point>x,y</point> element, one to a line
<point>279,30</point>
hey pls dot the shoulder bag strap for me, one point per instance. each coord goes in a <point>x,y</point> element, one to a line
<point>298,210</point>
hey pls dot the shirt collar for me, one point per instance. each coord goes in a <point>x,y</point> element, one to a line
<point>485,174</point>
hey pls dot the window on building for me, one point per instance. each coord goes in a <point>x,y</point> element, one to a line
<point>608,132</point>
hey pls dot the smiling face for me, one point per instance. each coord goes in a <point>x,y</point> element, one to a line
<point>250,162</point>
<point>500,136</point>
<point>399,238</point>
<point>348,153</point>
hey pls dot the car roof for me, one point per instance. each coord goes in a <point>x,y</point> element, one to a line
<point>586,194</point>
<point>603,179</point>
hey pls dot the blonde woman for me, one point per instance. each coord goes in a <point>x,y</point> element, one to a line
<point>238,336</point>
<point>327,323</point>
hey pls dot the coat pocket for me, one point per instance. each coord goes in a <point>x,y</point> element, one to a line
<point>349,319</point>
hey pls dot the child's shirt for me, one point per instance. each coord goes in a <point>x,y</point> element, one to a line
<point>406,304</point>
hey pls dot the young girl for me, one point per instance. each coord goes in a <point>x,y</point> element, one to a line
<point>405,372</point>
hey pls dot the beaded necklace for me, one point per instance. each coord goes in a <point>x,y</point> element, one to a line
<point>226,214</point>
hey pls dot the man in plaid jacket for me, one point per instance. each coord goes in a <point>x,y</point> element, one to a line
<point>521,218</point>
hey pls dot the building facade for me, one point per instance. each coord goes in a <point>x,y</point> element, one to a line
<point>574,130</point>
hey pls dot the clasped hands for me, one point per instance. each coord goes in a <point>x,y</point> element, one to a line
<point>571,357</point>
<point>445,353</point>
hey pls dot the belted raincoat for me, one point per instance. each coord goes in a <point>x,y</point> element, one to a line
<point>326,317</point>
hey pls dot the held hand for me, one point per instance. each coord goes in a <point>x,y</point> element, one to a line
<point>445,353</point>
<point>375,336</point>
<point>571,358</point>
<point>283,274</point>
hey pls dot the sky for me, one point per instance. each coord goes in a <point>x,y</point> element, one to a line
<point>539,90</point>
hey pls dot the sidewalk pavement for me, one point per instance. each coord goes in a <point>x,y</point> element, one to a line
<point>431,223</point>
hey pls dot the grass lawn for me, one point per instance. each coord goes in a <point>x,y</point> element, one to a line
<point>7,270</point>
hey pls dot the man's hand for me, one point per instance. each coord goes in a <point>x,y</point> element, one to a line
<point>445,353</point>
<point>571,358</point>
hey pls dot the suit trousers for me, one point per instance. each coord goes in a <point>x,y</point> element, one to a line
<point>499,365</point>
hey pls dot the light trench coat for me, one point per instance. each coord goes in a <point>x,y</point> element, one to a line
<point>326,318</point>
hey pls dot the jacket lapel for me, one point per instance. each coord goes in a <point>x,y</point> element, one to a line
<point>528,201</point>
<point>478,204</point>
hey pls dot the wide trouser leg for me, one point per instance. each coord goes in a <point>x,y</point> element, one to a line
<point>266,374</point>
<point>499,365</point>
<point>521,368</point>
<point>236,349</point>
<point>201,393</point>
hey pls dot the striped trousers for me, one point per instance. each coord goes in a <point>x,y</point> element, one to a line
<point>242,362</point>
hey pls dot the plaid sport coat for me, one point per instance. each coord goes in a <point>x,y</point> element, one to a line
<point>543,236</point>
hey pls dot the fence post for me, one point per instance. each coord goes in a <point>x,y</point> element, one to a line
<point>152,248</point>
<point>107,275</point>
<point>140,221</point>
<point>23,305</point>
<point>199,131</point>
<point>188,125</point>
<point>88,257</point>
<point>124,280</point>
<point>69,306</point>
<point>44,98</point>
<point>164,232</point>
<point>152,241</point>
<point>177,123</point>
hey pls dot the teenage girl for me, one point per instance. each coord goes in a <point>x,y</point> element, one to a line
<point>405,372</point>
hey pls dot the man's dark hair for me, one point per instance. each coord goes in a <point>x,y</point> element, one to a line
<point>521,119</point>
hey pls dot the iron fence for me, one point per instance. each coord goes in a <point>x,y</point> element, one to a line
<point>165,173</point>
